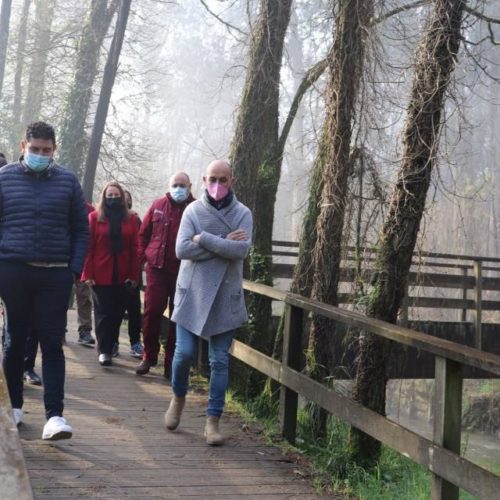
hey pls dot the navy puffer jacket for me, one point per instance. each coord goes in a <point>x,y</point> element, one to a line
<point>42,216</point>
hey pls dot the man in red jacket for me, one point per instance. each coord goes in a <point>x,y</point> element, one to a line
<point>157,248</point>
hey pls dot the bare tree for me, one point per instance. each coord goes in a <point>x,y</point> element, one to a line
<point>4,37</point>
<point>16,128</point>
<point>104,99</point>
<point>44,15</point>
<point>435,60</point>
<point>73,137</point>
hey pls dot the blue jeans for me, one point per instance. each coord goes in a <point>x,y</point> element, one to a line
<point>186,348</point>
<point>35,298</point>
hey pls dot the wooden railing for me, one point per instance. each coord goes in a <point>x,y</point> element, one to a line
<point>441,455</point>
<point>459,273</point>
<point>14,481</point>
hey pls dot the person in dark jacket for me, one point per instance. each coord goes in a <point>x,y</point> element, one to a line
<point>43,239</point>
<point>83,296</point>
<point>157,248</point>
<point>112,265</point>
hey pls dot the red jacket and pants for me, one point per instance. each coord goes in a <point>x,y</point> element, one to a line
<point>111,295</point>
<point>157,248</point>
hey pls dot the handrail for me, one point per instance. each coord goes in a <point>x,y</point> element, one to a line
<point>14,480</point>
<point>441,455</point>
<point>436,255</point>
<point>440,347</point>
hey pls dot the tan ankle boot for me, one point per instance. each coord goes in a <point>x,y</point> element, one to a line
<point>174,412</point>
<point>212,433</point>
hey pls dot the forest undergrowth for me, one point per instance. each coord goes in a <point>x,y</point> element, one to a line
<point>327,460</point>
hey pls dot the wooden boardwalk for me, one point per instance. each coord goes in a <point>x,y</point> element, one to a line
<point>120,448</point>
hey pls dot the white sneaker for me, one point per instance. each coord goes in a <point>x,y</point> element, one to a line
<point>18,416</point>
<point>56,428</point>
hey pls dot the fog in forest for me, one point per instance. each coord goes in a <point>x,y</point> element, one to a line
<point>179,84</point>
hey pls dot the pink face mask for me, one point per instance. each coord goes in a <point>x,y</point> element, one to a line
<point>217,191</point>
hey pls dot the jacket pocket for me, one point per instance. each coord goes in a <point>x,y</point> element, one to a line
<point>236,303</point>
<point>180,295</point>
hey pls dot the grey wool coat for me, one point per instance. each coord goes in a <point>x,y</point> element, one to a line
<point>209,296</point>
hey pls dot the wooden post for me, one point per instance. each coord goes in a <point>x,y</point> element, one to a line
<point>403,310</point>
<point>292,347</point>
<point>463,312</point>
<point>478,289</point>
<point>447,419</point>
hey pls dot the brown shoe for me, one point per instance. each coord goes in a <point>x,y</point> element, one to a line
<point>174,412</point>
<point>212,434</point>
<point>143,367</point>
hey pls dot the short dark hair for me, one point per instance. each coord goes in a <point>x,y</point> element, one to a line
<point>3,160</point>
<point>40,130</point>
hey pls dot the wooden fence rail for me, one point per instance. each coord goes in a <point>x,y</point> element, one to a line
<point>441,455</point>
<point>471,277</point>
<point>14,481</point>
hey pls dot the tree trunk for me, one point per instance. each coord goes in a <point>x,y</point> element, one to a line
<point>345,65</point>
<point>435,61</point>
<point>104,99</point>
<point>17,126</point>
<point>4,37</point>
<point>36,82</point>
<point>255,152</point>
<point>73,138</point>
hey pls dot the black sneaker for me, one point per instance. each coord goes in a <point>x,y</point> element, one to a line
<point>32,378</point>
<point>115,351</point>
<point>85,338</point>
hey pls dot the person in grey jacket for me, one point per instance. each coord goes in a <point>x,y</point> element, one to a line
<point>213,240</point>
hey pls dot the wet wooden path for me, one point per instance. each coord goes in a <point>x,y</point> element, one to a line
<point>120,448</point>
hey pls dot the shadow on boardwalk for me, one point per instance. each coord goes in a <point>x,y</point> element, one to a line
<point>120,448</point>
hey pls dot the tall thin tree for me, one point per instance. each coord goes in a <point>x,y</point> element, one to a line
<point>73,137</point>
<point>16,128</point>
<point>44,15</point>
<point>108,81</point>
<point>4,37</point>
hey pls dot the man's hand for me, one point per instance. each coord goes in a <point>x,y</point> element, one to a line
<point>238,235</point>
<point>196,238</point>
<point>90,282</point>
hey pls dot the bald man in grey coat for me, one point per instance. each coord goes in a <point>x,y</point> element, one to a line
<point>213,240</point>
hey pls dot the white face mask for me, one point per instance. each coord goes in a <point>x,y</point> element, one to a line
<point>179,194</point>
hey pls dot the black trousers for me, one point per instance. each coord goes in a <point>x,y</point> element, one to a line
<point>133,310</point>
<point>110,302</point>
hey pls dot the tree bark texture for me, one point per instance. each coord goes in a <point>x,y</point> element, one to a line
<point>44,15</point>
<point>104,99</point>
<point>4,37</point>
<point>255,153</point>
<point>256,137</point>
<point>345,72</point>
<point>435,60</point>
<point>17,126</point>
<point>73,137</point>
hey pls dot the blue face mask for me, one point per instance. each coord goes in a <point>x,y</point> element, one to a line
<point>37,163</point>
<point>179,194</point>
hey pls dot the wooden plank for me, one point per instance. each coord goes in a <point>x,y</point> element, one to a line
<point>14,481</point>
<point>440,461</point>
<point>440,347</point>
<point>478,299</point>
<point>292,342</point>
<point>120,448</point>
<point>447,420</point>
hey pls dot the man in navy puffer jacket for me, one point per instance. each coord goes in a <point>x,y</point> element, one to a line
<point>43,241</point>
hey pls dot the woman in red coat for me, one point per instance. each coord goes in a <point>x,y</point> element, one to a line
<point>112,265</point>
